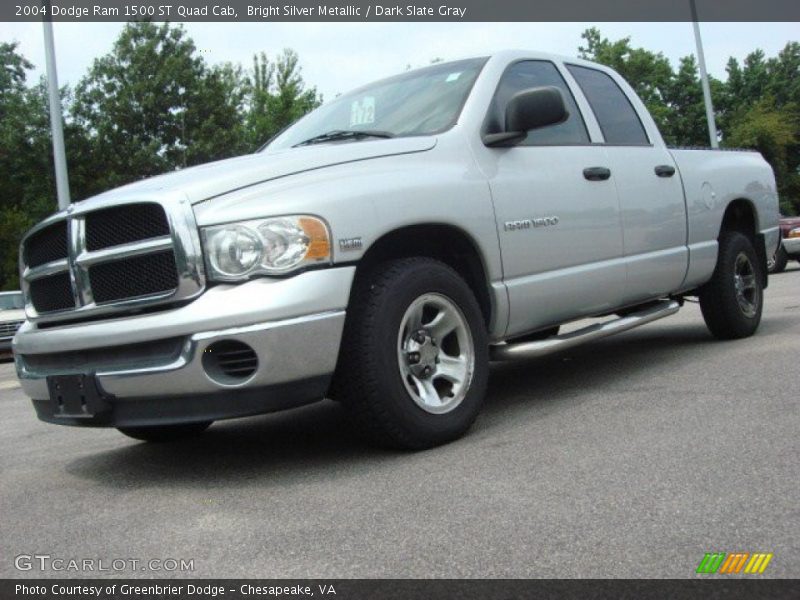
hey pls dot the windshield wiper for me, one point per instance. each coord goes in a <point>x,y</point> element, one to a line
<point>344,134</point>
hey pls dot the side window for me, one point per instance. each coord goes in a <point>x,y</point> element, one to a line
<point>530,74</point>
<point>615,114</point>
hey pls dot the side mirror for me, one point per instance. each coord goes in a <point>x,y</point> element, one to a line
<point>530,109</point>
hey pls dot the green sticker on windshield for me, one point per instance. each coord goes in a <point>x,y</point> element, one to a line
<point>453,77</point>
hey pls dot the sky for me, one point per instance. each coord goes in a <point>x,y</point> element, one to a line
<point>336,57</point>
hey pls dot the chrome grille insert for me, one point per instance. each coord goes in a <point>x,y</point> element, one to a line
<point>111,257</point>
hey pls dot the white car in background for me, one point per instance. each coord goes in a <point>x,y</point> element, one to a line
<point>12,316</point>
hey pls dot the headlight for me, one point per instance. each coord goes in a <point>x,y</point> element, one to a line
<point>237,251</point>
<point>793,233</point>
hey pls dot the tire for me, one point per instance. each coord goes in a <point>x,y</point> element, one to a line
<point>732,301</point>
<point>778,262</point>
<point>396,312</point>
<point>166,433</point>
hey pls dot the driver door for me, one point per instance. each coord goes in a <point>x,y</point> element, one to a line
<point>557,212</point>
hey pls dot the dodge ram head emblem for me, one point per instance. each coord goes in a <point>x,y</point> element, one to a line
<point>530,223</point>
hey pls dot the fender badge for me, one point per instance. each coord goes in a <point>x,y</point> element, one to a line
<point>530,223</point>
<point>346,244</point>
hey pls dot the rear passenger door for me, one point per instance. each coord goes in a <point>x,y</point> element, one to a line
<point>649,187</point>
<point>559,229</point>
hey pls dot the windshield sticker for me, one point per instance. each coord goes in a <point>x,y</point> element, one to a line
<point>362,112</point>
<point>453,77</point>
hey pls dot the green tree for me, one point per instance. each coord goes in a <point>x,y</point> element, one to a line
<point>152,105</point>
<point>26,171</point>
<point>761,110</point>
<point>13,223</point>
<point>773,131</point>
<point>276,95</point>
<point>13,67</point>
<point>687,123</point>
<point>784,71</point>
<point>649,73</point>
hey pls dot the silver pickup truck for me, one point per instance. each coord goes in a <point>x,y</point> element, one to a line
<point>384,249</point>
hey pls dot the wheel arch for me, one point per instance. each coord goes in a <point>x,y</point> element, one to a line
<point>442,241</point>
<point>741,215</point>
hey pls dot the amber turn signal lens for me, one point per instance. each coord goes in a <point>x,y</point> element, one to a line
<point>319,246</point>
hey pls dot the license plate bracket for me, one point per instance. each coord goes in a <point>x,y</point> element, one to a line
<point>76,396</point>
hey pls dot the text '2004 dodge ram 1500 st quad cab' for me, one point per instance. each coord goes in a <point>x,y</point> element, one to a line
<point>383,249</point>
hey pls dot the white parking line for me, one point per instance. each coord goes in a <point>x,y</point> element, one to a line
<point>9,385</point>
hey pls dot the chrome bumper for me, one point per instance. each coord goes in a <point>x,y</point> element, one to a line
<point>294,326</point>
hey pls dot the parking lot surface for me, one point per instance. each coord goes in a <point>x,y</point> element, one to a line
<point>629,457</point>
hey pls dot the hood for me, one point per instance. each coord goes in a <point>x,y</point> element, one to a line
<point>212,179</point>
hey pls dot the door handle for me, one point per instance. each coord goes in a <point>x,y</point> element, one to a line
<point>596,173</point>
<point>665,170</point>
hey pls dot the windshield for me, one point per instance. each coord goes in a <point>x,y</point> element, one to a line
<point>420,102</point>
<point>11,301</point>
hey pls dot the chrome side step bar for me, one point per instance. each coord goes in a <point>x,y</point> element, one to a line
<point>557,343</point>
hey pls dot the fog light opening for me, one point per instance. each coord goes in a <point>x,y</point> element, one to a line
<point>229,362</point>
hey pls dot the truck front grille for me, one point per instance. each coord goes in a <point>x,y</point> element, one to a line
<point>125,224</point>
<point>138,276</point>
<point>9,328</point>
<point>52,293</point>
<point>112,259</point>
<point>47,245</point>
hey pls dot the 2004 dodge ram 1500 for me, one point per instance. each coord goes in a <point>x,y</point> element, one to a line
<point>383,249</point>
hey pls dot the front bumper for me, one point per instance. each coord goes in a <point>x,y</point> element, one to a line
<point>791,245</point>
<point>5,344</point>
<point>150,366</point>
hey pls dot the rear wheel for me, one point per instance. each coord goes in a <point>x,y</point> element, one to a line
<point>778,262</point>
<point>413,368</point>
<point>165,433</point>
<point>733,299</point>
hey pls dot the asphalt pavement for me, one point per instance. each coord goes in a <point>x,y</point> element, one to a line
<point>629,457</point>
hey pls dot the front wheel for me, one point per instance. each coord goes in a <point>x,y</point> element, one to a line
<point>414,362</point>
<point>165,433</point>
<point>732,301</point>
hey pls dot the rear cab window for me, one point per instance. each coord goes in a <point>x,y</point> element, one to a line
<point>614,112</point>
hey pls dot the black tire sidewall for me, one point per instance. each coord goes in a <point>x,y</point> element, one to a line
<point>416,279</point>
<point>781,258</point>
<point>718,300</point>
